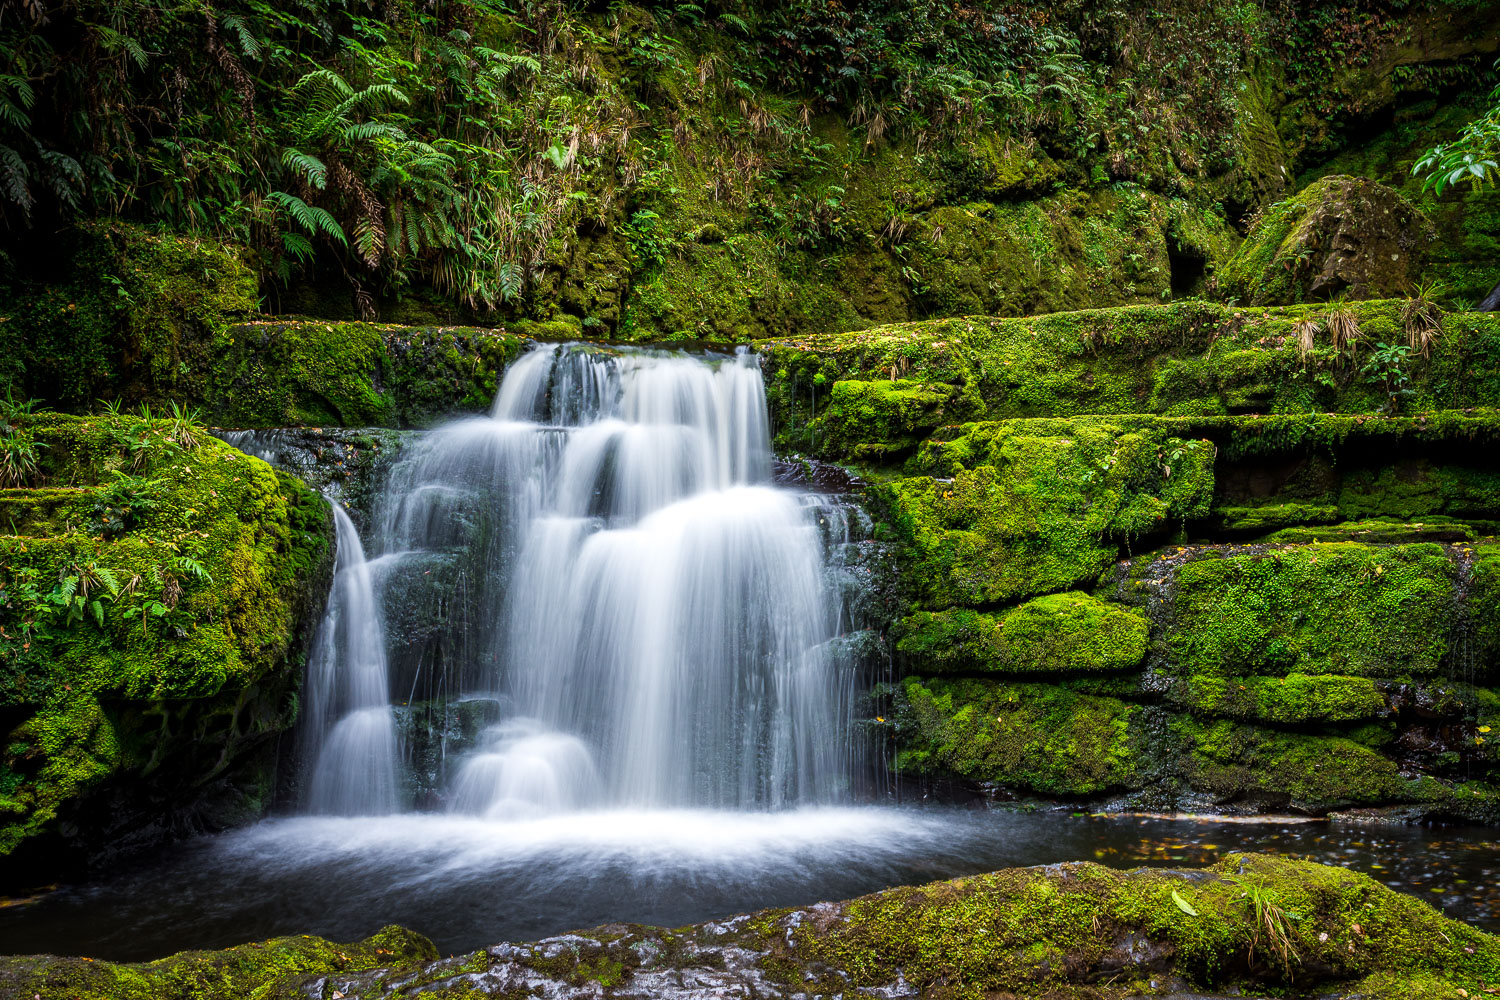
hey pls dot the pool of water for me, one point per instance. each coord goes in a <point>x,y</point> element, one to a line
<point>469,882</point>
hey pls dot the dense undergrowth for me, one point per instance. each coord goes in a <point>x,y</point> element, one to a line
<point>712,171</point>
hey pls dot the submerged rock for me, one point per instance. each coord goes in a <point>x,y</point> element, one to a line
<point>1251,923</point>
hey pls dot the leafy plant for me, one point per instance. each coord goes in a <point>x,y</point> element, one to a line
<point>1272,924</point>
<point>1387,368</point>
<point>1473,158</point>
<point>1422,318</point>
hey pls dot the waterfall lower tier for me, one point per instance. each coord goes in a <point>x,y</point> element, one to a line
<point>347,714</point>
<point>606,559</point>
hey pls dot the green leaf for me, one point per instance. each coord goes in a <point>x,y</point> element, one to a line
<point>1183,904</point>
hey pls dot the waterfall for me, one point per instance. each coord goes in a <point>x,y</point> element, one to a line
<point>605,557</point>
<point>347,712</point>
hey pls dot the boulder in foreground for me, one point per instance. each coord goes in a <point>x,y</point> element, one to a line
<point>1251,923</point>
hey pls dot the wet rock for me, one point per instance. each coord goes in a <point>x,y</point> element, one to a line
<point>1062,931</point>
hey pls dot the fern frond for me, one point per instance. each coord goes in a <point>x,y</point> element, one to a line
<point>309,217</point>
<point>312,169</point>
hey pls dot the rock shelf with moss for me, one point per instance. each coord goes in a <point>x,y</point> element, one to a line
<point>1249,924</point>
<point>156,590</point>
<point>873,395</point>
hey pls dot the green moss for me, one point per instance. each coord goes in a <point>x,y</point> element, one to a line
<point>1038,506</point>
<point>1290,700</point>
<point>310,372</point>
<point>1040,737</point>
<point>1061,633</point>
<point>1230,761</point>
<point>1337,233</point>
<point>248,971</point>
<point>131,320</point>
<point>872,419</point>
<point>1188,360</point>
<point>1337,608</point>
<point>1030,929</point>
<point>178,578</point>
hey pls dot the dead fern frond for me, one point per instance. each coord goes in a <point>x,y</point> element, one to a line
<point>1304,331</point>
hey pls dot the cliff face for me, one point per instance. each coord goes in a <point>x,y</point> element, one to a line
<point>708,173</point>
<point>1119,585</point>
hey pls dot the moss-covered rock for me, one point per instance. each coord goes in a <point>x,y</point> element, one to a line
<point>288,372</point>
<point>1188,359</point>
<point>1334,608</point>
<point>155,590</point>
<point>245,971</point>
<point>1249,924</point>
<point>1339,235</point>
<point>133,317</point>
<point>1044,738</point>
<point>1290,700</point>
<point>154,318</point>
<point>1068,633</point>
<point>1037,505</point>
<point>1232,762</point>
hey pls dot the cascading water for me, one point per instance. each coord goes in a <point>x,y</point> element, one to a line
<point>347,715</point>
<point>605,558</point>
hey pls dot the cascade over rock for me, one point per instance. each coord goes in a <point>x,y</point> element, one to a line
<point>649,613</point>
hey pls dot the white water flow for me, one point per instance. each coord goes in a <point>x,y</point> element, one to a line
<point>347,714</point>
<point>653,616</point>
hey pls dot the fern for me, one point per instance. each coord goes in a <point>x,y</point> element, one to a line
<point>312,169</point>
<point>309,217</point>
<point>250,48</point>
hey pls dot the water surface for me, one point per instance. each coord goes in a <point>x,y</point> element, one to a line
<point>468,882</point>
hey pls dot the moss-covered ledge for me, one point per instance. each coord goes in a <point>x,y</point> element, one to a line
<point>873,395</point>
<point>1071,633</point>
<point>156,590</point>
<point>1251,923</point>
<point>243,972</point>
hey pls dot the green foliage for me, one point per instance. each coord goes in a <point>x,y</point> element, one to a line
<point>1469,159</point>
<point>1387,368</point>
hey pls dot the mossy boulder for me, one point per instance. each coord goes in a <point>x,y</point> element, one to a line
<point>156,587</point>
<point>1037,505</point>
<point>1069,633</point>
<point>244,971</point>
<point>1340,235</point>
<point>1334,608</point>
<point>1048,739</point>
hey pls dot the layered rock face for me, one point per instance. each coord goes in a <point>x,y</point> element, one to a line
<point>1249,924</point>
<point>1121,586</point>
